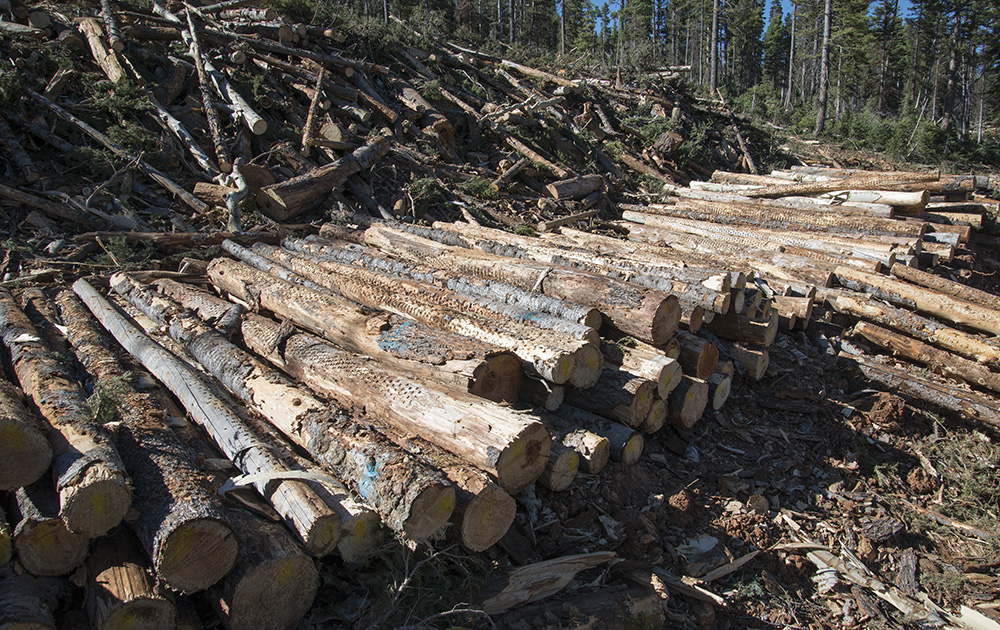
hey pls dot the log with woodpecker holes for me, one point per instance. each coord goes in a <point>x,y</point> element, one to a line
<point>25,453</point>
<point>93,487</point>
<point>921,299</point>
<point>408,346</point>
<point>427,500</point>
<point>645,314</point>
<point>180,519</point>
<point>122,593</point>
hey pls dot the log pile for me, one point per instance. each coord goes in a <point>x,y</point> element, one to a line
<point>400,370</point>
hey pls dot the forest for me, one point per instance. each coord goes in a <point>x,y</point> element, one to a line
<point>917,81</point>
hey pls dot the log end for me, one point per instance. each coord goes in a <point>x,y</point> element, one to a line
<point>642,402</point>
<point>197,554</point>
<point>632,450</point>
<point>430,511</point>
<point>593,318</point>
<point>670,378</point>
<point>707,361</point>
<point>147,613</point>
<point>48,548</point>
<point>523,461</point>
<point>656,417</point>
<point>360,537</point>
<point>694,319</point>
<point>25,454</point>
<point>738,301</point>
<point>275,594</point>
<point>595,451</point>
<point>721,386</point>
<point>687,403</point>
<point>666,318</point>
<point>323,535</point>
<point>498,378</point>
<point>258,126</point>
<point>561,470</point>
<point>587,367</point>
<point>486,518</point>
<point>97,503</point>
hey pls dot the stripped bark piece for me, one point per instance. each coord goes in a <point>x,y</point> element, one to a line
<point>93,487</point>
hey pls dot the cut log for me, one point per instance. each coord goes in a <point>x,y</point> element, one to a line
<point>561,469</point>
<point>618,395</point>
<point>294,500</point>
<point>923,328</point>
<point>274,583</point>
<point>656,418</point>
<point>910,202</point>
<point>25,453</point>
<point>940,361</point>
<point>920,299</point>
<point>554,356</point>
<point>406,345</point>
<point>287,199</point>
<point>625,444</point>
<point>794,309</point>
<point>647,362</point>
<point>537,392</point>
<point>180,520</point>
<point>305,420</point>
<point>742,328</point>
<point>755,360</point>
<point>576,188</point>
<point>483,511</point>
<point>648,315</point>
<point>59,211</point>
<point>593,449</point>
<point>93,488</point>
<point>121,591</point>
<point>719,386</point>
<point>698,357</point>
<point>23,606</point>
<point>687,403</point>
<point>512,447</point>
<point>948,287</point>
<point>963,403</point>
<point>43,543</point>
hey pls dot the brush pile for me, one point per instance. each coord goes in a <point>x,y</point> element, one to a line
<point>215,426</point>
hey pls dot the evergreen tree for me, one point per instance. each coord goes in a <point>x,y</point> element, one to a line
<point>776,48</point>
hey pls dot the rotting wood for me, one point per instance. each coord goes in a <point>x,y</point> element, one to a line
<point>121,590</point>
<point>921,299</point>
<point>25,453</point>
<point>43,543</point>
<point>93,487</point>
<point>424,505</point>
<point>648,315</point>
<point>180,520</point>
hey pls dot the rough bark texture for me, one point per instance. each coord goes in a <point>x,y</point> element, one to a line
<point>121,590</point>
<point>618,395</point>
<point>688,402</point>
<point>626,444</point>
<point>698,357</point>
<point>22,604</point>
<point>25,453</point>
<point>180,520</point>
<point>948,287</point>
<point>93,487</point>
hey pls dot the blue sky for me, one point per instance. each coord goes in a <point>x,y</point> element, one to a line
<point>786,6</point>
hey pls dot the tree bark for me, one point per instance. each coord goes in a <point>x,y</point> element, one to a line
<point>948,287</point>
<point>22,603</point>
<point>742,328</point>
<point>698,357</point>
<point>25,453</point>
<point>121,591</point>
<point>648,315</point>
<point>687,403</point>
<point>824,70</point>
<point>575,188</point>
<point>43,543</point>
<point>646,362</point>
<point>921,299</point>
<point>618,395</point>
<point>406,345</point>
<point>303,419</point>
<point>93,488</point>
<point>274,583</point>
<point>625,443</point>
<point>180,520</point>
<point>287,199</point>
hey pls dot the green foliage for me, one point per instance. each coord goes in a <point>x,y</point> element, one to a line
<point>120,100</point>
<point>124,255</point>
<point>11,79</point>
<point>479,187</point>
<point>106,402</point>
<point>525,230</point>
<point>426,193</point>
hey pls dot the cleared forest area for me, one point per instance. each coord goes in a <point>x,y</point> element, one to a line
<point>322,324</point>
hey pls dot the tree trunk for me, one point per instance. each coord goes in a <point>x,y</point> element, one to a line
<point>713,55</point>
<point>625,444</point>
<point>824,70</point>
<point>576,188</point>
<point>513,448</point>
<point>742,328</point>
<point>648,315</point>
<point>948,287</point>
<point>43,543</point>
<point>121,591</point>
<point>923,328</point>
<point>920,299</point>
<point>593,449</point>
<point>25,453</point>
<point>561,469</point>
<point>274,583</point>
<point>287,199</point>
<point>180,520</point>
<point>303,419</point>
<point>91,481</point>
